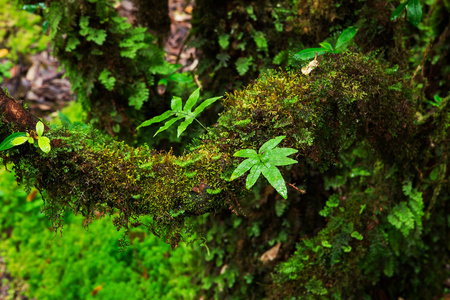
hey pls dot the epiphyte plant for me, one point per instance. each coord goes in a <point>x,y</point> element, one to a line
<point>179,113</point>
<point>19,138</point>
<point>265,162</point>
<point>343,39</point>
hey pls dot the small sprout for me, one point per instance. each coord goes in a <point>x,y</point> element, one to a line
<point>20,138</point>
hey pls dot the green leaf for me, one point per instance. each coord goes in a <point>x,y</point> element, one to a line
<point>279,160</point>
<point>107,79</point>
<point>326,46</point>
<point>247,153</point>
<point>167,125</point>
<point>176,104</point>
<point>184,125</point>
<point>243,64</point>
<point>270,144</point>
<point>223,40</point>
<point>254,175</point>
<point>162,81</point>
<point>19,140</point>
<point>275,179</point>
<point>346,36</point>
<point>398,11</point>
<point>310,53</point>
<point>193,98</point>
<point>205,104</point>
<point>180,78</point>
<point>260,40</point>
<point>7,143</point>
<point>356,235</point>
<point>326,244</point>
<point>44,144</point>
<point>414,12</point>
<point>156,119</point>
<point>243,167</point>
<point>39,128</point>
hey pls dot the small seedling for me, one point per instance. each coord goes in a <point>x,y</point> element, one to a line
<point>179,113</point>
<point>342,40</point>
<point>265,162</point>
<point>19,138</point>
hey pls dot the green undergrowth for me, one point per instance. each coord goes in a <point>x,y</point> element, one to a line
<point>113,66</point>
<point>20,32</point>
<point>87,264</point>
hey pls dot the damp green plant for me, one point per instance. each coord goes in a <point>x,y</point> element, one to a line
<point>343,39</point>
<point>265,162</point>
<point>19,138</point>
<point>178,112</point>
<point>413,10</point>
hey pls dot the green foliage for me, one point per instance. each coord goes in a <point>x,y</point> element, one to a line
<point>107,80</point>
<point>346,36</point>
<point>4,70</point>
<point>414,11</point>
<point>87,264</point>
<point>265,161</point>
<point>20,32</point>
<point>116,91</point>
<point>408,215</point>
<point>19,138</point>
<point>178,112</point>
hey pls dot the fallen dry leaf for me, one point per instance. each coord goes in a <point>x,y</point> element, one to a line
<point>271,254</point>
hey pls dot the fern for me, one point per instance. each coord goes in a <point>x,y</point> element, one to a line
<point>408,215</point>
<point>140,95</point>
<point>98,36</point>
<point>133,43</point>
<point>107,80</point>
<point>72,43</point>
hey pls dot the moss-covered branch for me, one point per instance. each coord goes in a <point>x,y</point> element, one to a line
<point>347,99</point>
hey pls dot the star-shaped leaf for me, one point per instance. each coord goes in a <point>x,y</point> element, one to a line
<point>264,162</point>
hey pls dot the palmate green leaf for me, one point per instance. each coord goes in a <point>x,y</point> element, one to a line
<point>39,128</point>
<point>7,143</point>
<point>254,175</point>
<point>398,11</point>
<point>186,113</point>
<point>167,125</point>
<point>247,153</point>
<point>156,119</point>
<point>270,144</point>
<point>275,179</point>
<point>44,144</point>
<point>243,167</point>
<point>346,36</point>
<point>414,12</point>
